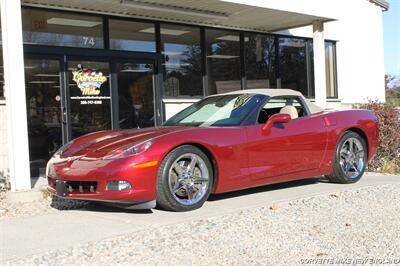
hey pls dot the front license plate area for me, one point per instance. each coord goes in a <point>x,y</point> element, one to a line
<point>61,188</point>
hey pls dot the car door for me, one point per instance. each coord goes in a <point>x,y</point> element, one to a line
<point>286,148</point>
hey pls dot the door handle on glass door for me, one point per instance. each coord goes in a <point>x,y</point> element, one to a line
<point>64,115</point>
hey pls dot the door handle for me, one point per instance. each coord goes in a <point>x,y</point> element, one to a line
<point>64,115</point>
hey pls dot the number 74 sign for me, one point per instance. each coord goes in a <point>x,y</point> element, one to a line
<point>88,41</point>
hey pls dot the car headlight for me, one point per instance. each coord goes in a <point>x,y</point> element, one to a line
<point>63,147</point>
<point>129,151</point>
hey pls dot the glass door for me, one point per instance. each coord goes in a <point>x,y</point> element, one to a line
<point>136,94</point>
<point>44,110</point>
<point>89,94</point>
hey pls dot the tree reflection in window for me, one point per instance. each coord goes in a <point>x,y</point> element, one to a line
<point>260,61</point>
<point>293,64</point>
<point>181,52</point>
<point>223,61</point>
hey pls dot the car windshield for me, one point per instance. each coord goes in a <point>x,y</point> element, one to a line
<point>220,110</point>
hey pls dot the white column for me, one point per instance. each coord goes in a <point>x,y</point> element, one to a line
<point>319,63</point>
<point>14,86</point>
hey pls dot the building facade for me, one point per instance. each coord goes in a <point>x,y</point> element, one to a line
<point>74,67</point>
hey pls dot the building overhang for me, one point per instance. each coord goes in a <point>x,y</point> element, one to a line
<point>238,15</point>
<point>382,3</point>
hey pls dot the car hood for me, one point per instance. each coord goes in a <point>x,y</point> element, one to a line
<point>100,144</point>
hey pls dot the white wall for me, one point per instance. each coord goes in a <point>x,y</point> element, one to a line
<point>3,140</point>
<point>360,59</point>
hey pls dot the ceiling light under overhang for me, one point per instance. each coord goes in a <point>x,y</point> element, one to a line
<point>42,82</point>
<point>175,9</point>
<point>170,53</point>
<point>129,67</point>
<point>176,64</point>
<point>135,70</point>
<point>221,56</point>
<point>73,22</point>
<point>164,31</point>
<point>292,42</point>
<point>47,75</point>
<point>232,38</point>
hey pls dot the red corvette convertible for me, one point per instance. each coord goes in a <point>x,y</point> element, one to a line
<point>222,143</point>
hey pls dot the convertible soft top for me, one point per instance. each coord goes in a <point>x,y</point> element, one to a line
<point>281,92</point>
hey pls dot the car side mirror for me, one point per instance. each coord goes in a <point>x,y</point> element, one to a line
<point>276,118</point>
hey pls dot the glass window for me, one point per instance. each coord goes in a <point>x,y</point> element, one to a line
<point>132,36</point>
<point>62,29</point>
<point>223,61</point>
<point>260,61</point>
<point>43,102</point>
<point>135,95</point>
<point>89,89</point>
<point>181,60</point>
<point>293,64</point>
<point>330,68</point>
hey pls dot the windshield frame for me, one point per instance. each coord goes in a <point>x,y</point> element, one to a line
<point>248,119</point>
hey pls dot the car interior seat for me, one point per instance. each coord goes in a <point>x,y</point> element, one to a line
<point>290,110</point>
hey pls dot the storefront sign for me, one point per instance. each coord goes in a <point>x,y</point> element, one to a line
<point>88,81</point>
<point>89,100</point>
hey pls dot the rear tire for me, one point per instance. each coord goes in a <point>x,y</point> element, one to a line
<point>350,159</point>
<point>184,179</point>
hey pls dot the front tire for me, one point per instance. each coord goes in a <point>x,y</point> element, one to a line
<point>184,179</point>
<point>350,159</point>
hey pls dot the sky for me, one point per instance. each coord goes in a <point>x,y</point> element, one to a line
<point>391,31</point>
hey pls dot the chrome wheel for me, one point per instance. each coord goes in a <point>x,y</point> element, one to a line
<point>352,157</point>
<point>188,179</point>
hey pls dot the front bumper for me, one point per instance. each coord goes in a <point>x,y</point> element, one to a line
<point>86,179</point>
<point>124,204</point>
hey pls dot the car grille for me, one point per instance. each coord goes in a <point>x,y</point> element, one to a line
<point>77,186</point>
<point>81,186</point>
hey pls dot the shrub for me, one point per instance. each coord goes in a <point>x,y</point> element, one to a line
<point>387,158</point>
<point>4,180</point>
<point>393,96</point>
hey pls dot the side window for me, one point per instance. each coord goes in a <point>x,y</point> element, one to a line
<point>286,104</point>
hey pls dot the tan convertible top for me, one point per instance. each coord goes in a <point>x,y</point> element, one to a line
<point>281,92</point>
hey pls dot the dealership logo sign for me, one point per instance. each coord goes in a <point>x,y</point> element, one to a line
<point>88,81</point>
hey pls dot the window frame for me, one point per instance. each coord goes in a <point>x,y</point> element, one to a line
<point>307,112</point>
